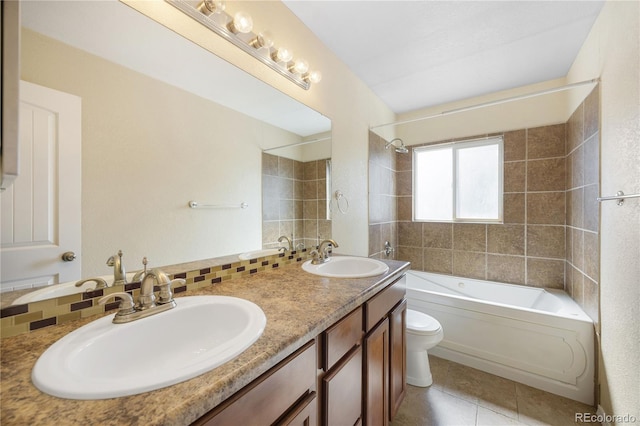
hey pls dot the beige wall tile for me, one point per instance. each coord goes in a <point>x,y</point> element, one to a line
<point>404,184</point>
<point>410,234</point>
<point>575,212</point>
<point>592,113</point>
<point>514,208</point>
<point>405,208</point>
<point>470,237</point>
<point>269,164</point>
<point>545,273</point>
<point>505,239</point>
<point>591,208</point>
<point>546,142</point>
<point>285,167</point>
<point>515,145</point>
<point>592,255</point>
<point>545,241</point>
<point>310,170</point>
<point>438,260</point>
<point>506,269</point>
<point>546,175</point>
<point>575,129</point>
<point>592,160</point>
<point>413,255</point>
<point>515,176</point>
<point>546,208</point>
<point>437,235</point>
<point>577,248</point>
<point>470,265</point>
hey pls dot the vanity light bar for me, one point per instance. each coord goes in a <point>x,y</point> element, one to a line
<point>211,14</point>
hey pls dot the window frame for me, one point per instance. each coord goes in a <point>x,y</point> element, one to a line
<point>457,145</point>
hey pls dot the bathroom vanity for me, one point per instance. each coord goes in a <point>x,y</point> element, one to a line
<point>332,352</point>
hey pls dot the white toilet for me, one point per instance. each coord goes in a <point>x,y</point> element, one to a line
<point>423,333</point>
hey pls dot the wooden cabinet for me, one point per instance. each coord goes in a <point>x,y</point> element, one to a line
<point>285,395</point>
<point>397,357</point>
<point>341,367</point>
<point>376,377</point>
<point>353,373</point>
<point>385,354</point>
<point>342,390</point>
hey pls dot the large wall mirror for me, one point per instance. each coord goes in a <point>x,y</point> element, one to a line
<point>163,122</point>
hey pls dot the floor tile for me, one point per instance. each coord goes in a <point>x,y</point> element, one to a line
<point>431,407</point>
<point>464,396</point>
<point>536,407</point>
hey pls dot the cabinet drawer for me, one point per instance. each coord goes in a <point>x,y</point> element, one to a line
<point>305,413</point>
<point>270,396</point>
<point>377,307</point>
<point>341,337</point>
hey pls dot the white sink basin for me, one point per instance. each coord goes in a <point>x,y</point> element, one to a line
<point>106,360</point>
<point>62,289</point>
<point>347,267</point>
<point>258,253</point>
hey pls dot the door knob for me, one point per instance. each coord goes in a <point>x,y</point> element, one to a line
<point>68,256</point>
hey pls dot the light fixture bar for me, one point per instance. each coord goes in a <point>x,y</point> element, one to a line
<point>188,8</point>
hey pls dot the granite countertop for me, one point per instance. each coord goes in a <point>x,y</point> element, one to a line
<point>298,307</point>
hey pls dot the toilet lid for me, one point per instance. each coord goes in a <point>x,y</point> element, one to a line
<point>421,323</point>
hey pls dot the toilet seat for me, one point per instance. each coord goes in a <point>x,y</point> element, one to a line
<point>422,324</point>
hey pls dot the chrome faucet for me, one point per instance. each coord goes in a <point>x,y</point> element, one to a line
<point>147,304</point>
<point>119,275</point>
<point>321,255</point>
<point>289,243</point>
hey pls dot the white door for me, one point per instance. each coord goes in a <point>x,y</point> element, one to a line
<point>40,212</point>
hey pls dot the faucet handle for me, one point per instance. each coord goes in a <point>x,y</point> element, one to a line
<point>166,295</point>
<point>100,283</point>
<point>126,302</point>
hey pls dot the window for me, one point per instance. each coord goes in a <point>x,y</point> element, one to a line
<point>459,181</point>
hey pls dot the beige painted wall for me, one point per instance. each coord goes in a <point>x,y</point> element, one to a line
<point>341,96</point>
<point>612,51</point>
<point>147,149</point>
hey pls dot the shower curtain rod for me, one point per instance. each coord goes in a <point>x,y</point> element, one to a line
<point>491,103</point>
<point>297,144</point>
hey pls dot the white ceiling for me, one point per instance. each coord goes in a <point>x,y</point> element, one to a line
<point>416,54</point>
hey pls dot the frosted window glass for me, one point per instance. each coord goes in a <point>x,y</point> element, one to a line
<point>433,184</point>
<point>477,182</point>
<point>458,182</point>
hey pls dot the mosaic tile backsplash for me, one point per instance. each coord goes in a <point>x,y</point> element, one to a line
<point>21,319</point>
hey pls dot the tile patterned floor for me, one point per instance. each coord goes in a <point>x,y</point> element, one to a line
<point>463,396</point>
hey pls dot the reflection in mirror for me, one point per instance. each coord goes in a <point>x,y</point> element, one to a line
<point>163,122</point>
<point>296,183</point>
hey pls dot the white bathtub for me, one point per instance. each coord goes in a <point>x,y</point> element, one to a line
<point>539,337</point>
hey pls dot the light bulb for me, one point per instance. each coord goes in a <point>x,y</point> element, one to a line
<point>263,39</point>
<point>282,55</point>
<point>313,77</point>
<point>301,66</point>
<point>242,23</point>
<point>207,7</point>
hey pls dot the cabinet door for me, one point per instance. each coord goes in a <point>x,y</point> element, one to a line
<point>397,357</point>
<point>342,388</point>
<point>376,379</point>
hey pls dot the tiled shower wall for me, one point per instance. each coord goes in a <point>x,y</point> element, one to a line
<point>549,237</point>
<point>528,248</point>
<point>382,197</point>
<point>582,275</point>
<point>294,201</point>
